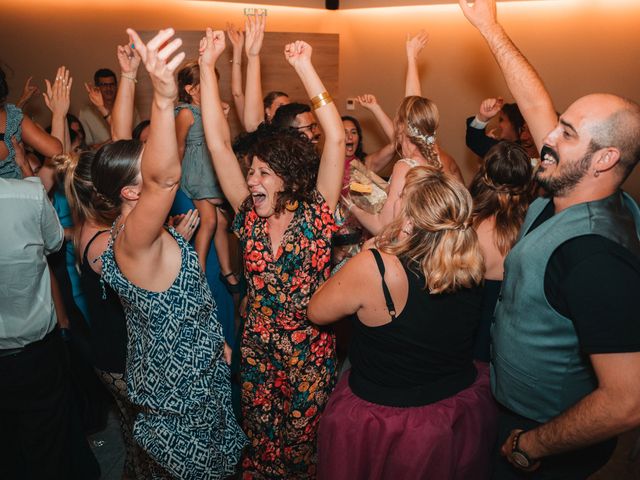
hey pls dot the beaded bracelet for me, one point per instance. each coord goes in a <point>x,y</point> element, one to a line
<point>130,77</point>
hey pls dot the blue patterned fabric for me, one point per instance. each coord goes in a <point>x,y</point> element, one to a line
<point>8,167</point>
<point>176,371</point>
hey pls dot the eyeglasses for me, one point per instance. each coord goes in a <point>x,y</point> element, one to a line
<point>312,127</point>
<point>105,85</point>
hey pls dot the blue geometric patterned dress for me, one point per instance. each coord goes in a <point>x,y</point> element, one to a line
<point>8,167</point>
<point>176,371</point>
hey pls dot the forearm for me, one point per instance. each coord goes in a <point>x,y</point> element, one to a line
<point>253,111</point>
<point>372,222</point>
<point>218,138</point>
<point>523,81</point>
<point>236,84</point>
<point>58,123</point>
<point>122,113</point>
<point>380,159</point>
<point>597,417</point>
<point>160,162</point>
<point>412,82</point>
<point>384,121</point>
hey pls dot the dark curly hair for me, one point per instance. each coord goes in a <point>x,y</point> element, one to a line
<point>294,159</point>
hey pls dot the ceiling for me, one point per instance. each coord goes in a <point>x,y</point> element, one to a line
<point>348,4</point>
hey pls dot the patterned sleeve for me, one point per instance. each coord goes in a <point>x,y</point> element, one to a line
<point>322,220</point>
<point>238,226</point>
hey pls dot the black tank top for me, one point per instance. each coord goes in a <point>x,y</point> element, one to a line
<point>108,325</point>
<point>424,355</point>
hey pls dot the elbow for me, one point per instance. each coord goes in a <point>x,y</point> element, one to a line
<point>314,313</point>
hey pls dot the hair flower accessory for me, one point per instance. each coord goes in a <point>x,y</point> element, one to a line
<point>415,133</point>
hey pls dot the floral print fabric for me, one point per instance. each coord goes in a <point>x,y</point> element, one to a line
<point>288,365</point>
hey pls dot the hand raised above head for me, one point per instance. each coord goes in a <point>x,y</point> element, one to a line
<point>211,47</point>
<point>157,58</point>
<point>416,43</point>
<point>57,96</point>
<point>236,36</point>
<point>297,53</point>
<point>95,95</point>
<point>28,91</point>
<point>128,58</point>
<point>367,100</point>
<point>481,14</point>
<point>254,27</point>
<point>489,108</point>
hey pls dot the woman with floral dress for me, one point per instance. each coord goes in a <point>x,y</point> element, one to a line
<point>284,221</point>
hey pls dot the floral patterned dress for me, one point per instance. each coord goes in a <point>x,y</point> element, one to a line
<point>288,365</point>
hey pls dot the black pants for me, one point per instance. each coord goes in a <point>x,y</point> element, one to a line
<point>35,412</point>
<point>576,465</point>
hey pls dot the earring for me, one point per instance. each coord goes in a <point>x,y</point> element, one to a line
<point>596,173</point>
<point>291,206</point>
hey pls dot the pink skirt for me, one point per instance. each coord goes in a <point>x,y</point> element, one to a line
<point>450,439</point>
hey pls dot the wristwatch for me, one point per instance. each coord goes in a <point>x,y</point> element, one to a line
<point>519,456</point>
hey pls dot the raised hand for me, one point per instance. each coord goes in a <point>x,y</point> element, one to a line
<point>236,36</point>
<point>57,95</point>
<point>481,14</point>
<point>489,108</point>
<point>211,47</point>
<point>156,56</point>
<point>367,101</point>
<point>28,91</point>
<point>95,96</point>
<point>416,43</point>
<point>128,58</point>
<point>298,53</point>
<point>254,27</point>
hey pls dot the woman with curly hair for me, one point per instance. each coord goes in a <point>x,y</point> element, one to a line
<point>501,190</point>
<point>284,219</point>
<point>414,404</point>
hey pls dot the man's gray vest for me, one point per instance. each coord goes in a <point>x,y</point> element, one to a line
<point>537,368</point>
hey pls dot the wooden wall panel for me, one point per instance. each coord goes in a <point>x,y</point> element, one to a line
<point>277,74</point>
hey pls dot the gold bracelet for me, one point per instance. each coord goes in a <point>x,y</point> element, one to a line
<point>130,77</point>
<point>320,97</point>
<point>322,103</point>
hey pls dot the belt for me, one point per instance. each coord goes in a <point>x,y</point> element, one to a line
<point>8,352</point>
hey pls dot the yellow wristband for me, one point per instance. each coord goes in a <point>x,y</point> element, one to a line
<point>318,98</point>
<point>322,103</point>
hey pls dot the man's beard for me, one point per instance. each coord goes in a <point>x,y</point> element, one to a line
<point>562,184</point>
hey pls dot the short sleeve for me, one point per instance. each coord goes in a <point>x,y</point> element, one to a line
<point>600,293</point>
<point>321,218</point>
<point>238,226</point>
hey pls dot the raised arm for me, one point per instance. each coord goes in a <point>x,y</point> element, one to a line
<point>523,81</point>
<point>414,47</point>
<point>216,128</point>
<point>28,91</point>
<point>58,101</point>
<point>236,37</point>
<point>160,166</point>
<point>253,107</point>
<point>376,161</point>
<point>123,109</point>
<point>331,170</point>
<point>374,223</point>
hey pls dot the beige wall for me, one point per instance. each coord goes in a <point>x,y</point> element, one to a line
<point>578,46</point>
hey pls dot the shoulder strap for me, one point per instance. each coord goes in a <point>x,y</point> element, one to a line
<point>86,249</point>
<point>385,289</point>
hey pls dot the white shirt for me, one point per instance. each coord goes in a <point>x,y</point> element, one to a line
<point>29,231</point>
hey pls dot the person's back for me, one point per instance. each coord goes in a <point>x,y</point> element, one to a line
<point>423,354</point>
<point>34,395</point>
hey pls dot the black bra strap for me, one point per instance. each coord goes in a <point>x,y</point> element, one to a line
<point>86,249</point>
<point>385,289</point>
